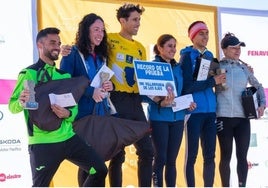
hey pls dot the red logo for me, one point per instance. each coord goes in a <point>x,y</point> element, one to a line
<point>2,177</point>
<point>251,165</point>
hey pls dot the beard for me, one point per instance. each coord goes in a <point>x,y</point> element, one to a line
<point>52,55</point>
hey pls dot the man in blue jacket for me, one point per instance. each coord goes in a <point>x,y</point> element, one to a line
<point>201,122</point>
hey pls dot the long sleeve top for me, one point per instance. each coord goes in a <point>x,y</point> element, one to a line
<point>74,64</point>
<point>229,102</point>
<point>36,135</point>
<point>202,91</point>
<point>166,113</point>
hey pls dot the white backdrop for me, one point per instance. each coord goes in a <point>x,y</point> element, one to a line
<point>16,52</point>
<point>251,27</point>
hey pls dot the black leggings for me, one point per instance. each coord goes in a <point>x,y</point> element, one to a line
<point>239,130</point>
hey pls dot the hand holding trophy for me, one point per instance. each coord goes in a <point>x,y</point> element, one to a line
<point>222,86</point>
<point>31,104</point>
<point>105,76</point>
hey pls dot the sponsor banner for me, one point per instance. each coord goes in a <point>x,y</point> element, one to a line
<point>255,54</point>
<point>253,34</point>
<point>16,49</point>
<point>257,158</point>
<point>14,158</point>
<point>266,94</point>
<point>6,87</point>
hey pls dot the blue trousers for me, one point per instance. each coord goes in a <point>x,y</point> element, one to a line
<point>167,138</point>
<point>203,126</point>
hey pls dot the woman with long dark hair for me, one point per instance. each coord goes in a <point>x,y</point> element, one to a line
<point>87,56</point>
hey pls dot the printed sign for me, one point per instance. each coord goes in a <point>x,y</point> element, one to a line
<point>154,78</point>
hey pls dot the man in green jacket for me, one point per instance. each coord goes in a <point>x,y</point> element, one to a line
<point>48,149</point>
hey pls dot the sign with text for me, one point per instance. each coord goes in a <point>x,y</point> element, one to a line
<point>154,78</point>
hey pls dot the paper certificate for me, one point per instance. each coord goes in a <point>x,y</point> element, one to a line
<point>104,74</point>
<point>182,102</point>
<point>63,100</point>
<point>203,69</point>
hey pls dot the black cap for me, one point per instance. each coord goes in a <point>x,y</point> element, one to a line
<point>231,41</point>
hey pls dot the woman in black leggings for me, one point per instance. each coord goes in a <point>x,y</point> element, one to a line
<point>230,113</point>
<point>238,129</point>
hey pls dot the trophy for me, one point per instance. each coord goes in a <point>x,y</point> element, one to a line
<point>222,86</point>
<point>104,76</point>
<point>214,65</point>
<point>31,104</point>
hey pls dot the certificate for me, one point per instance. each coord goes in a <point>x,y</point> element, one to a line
<point>182,102</point>
<point>63,100</point>
<point>203,70</point>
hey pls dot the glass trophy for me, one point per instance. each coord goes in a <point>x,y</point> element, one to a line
<point>222,86</point>
<point>31,104</point>
<point>104,76</point>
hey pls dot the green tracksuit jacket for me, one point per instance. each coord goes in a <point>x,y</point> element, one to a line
<point>36,135</point>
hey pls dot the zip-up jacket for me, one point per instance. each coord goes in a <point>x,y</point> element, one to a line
<point>202,91</point>
<point>229,103</point>
<point>36,135</point>
<point>74,65</point>
<point>156,113</point>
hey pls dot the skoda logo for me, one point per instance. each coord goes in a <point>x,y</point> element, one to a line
<point>1,115</point>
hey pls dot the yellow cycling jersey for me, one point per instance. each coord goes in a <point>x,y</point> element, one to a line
<point>122,52</point>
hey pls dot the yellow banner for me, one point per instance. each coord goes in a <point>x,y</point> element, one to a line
<point>159,17</point>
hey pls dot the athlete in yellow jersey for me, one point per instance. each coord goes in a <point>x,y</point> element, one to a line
<point>123,49</point>
<point>123,52</point>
